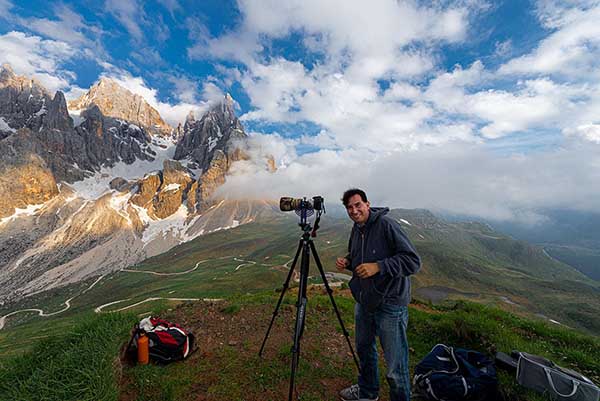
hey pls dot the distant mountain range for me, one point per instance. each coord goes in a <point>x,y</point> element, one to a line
<point>90,188</point>
<point>104,182</point>
<point>570,236</point>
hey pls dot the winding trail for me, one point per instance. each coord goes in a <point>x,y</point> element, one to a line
<point>100,308</point>
<point>165,274</point>
<point>44,314</point>
<point>246,263</point>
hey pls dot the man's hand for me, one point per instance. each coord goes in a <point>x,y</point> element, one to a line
<point>342,263</point>
<point>367,270</point>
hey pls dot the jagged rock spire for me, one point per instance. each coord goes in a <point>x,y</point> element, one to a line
<point>115,101</point>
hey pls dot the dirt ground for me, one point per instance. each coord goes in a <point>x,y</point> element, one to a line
<point>229,337</point>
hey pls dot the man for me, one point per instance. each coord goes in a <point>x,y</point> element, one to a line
<point>381,259</point>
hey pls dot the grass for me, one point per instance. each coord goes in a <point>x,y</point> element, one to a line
<point>82,363</point>
<point>79,365</point>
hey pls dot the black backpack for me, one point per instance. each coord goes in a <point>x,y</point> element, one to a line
<point>453,374</point>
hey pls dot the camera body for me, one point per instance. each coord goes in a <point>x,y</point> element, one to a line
<point>288,204</point>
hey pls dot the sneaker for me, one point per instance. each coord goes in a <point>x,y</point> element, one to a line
<point>352,393</point>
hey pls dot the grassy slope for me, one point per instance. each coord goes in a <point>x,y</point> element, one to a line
<point>81,364</point>
<point>467,257</point>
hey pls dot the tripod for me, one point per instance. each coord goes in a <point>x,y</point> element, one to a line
<point>306,246</point>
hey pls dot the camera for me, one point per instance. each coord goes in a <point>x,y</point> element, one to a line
<point>288,204</point>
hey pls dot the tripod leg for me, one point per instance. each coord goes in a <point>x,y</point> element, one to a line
<point>300,313</point>
<point>300,317</point>
<point>283,290</point>
<point>337,312</point>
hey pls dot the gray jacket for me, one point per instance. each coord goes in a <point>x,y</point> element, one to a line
<point>382,240</point>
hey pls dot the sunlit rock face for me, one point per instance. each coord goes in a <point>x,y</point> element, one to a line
<point>212,144</point>
<point>89,191</point>
<point>117,102</point>
<point>28,181</point>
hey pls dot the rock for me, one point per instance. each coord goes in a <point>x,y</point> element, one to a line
<point>192,198</point>
<point>176,182</point>
<point>28,182</point>
<point>120,184</point>
<point>58,115</point>
<point>119,103</point>
<point>212,178</point>
<point>147,188</point>
<point>218,130</point>
<point>23,101</point>
<point>271,168</point>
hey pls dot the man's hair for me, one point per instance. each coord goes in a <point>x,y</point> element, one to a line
<point>351,192</point>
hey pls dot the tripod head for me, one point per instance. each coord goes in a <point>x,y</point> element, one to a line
<point>305,208</point>
<point>305,224</point>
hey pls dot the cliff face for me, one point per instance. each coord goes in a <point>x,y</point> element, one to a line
<point>212,144</point>
<point>109,189</point>
<point>23,102</point>
<point>117,102</point>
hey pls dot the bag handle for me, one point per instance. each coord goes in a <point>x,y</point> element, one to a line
<point>549,377</point>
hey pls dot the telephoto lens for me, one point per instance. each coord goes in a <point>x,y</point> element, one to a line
<point>288,204</point>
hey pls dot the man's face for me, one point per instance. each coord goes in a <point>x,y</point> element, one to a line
<point>357,209</point>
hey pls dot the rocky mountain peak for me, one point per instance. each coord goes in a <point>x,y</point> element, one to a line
<point>117,102</point>
<point>23,102</point>
<point>58,114</point>
<point>6,72</point>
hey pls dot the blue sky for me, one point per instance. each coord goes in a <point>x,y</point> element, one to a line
<point>349,89</point>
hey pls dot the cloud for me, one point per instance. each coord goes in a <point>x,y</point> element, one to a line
<point>69,27</point>
<point>590,132</point>
<point>172,6</point>
<point>5,6</point>
<point>572,47</point>
<point>469,180</point>
<point>332,28</point>
<point>38,58</point>
<point>129,13</point>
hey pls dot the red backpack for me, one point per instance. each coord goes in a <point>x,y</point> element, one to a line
<point>168,342</point>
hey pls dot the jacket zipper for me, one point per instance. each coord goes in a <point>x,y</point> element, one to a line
<point>362,248</point>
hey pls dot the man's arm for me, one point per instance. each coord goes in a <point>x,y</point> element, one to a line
<point>405,260</point>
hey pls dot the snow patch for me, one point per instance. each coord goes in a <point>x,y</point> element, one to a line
<point>5,127</point>
<point>30,210</point>
<point>96,185</point>
<point>212,142</point>
<point>76,116</point>
<point>171,187</point>
<point>42,109</point>
<point>119,203</point>
<point>173,224</point>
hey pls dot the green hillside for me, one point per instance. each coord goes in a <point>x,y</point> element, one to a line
<point>81,362</point>
<point>460,260</point>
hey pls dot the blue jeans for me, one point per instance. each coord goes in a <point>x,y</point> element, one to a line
<point>388,322</point>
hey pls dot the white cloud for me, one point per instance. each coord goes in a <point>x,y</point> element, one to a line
<point>172,6</point>
<point>372,36</point>
<point>5,6</point>
<point>455,178</point>
<point>590,132</point>
<point>571,49</point>
<point>129,13</point>
<point>69,27</point>
<point>38,58</point>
